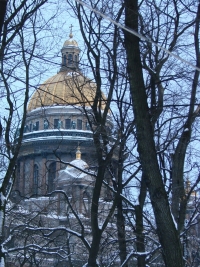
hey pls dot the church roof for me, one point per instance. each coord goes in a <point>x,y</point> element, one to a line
<point>79,163</point>
<point>69,86</point>
<point>65,88</point>
<point>74,171</point>
<point>70,42</point>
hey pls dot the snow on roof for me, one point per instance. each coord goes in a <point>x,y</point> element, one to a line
<point>79,163</point>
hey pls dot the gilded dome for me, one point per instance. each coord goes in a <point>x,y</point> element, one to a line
<point>65,88</point>
<point>70,42</point>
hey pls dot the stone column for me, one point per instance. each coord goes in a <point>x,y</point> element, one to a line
<point>31,167</point>
<point>58,167</point>
<point>44,174</point>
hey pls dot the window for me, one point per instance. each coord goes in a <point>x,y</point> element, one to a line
<point>51,176</point>
<point>57,124</point>
<point>35,179</point>
<point>68,124</point>
<point>70,59</point>
<point>79,124</point>
<point>64,60</point>
<point>36,126</point>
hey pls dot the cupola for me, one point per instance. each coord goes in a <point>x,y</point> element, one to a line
<point>70,54</point>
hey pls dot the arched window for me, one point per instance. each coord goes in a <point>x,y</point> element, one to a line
<point>68,124</point>
<point>36,126</point>
<point>58,124</point>
<point>35,179</point>
<point>64,60</point>
<point>51,176</point>
<point>70,59</point>
<point>79,124</point>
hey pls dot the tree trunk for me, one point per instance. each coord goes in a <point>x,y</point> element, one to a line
<point>168,234</point>
<point>121,232</point>
<point>92,259</point>
<point>179,198</point>
<point>120,216</point>
<point>140,236</point>
<point>3,4</point>
<point>96,232</point>
<point>139,223</point>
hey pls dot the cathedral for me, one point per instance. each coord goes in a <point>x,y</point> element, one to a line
<point>55,176</point>
<point>56,166</point>
<point>59,120</point>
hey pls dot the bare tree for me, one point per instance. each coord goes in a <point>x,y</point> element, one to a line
<point>3,5</point>
<point>156,125</point>
<point>144,119</point>
<point>111,151</point>
<point>160,133</point>
<point>19,48</point>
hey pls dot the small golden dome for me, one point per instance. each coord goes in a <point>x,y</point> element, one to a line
<point>65,88</point>
<point>70,42</point>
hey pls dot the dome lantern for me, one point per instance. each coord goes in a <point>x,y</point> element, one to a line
<point>70,54</point>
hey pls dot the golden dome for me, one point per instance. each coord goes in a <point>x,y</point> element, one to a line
<point>65,88</point>
<point>70,42</point>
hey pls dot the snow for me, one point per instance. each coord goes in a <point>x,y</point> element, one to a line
<point>38,198</point>
<point>75,108</point>
<point>152,70</point>
<point>186,130</point>
<point>174,221</point>
<point>52,107</point>
<point>109,147</point>
<point>59,130</point>
<point>3,250</point>
<point>3,199</point>
<point>54,229</point>
<point>79,163</point>
<point>2,262</point>
<point>72,172</point>
<point>1,220</point>
<point>58,138</point>
<point>73,134</point>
